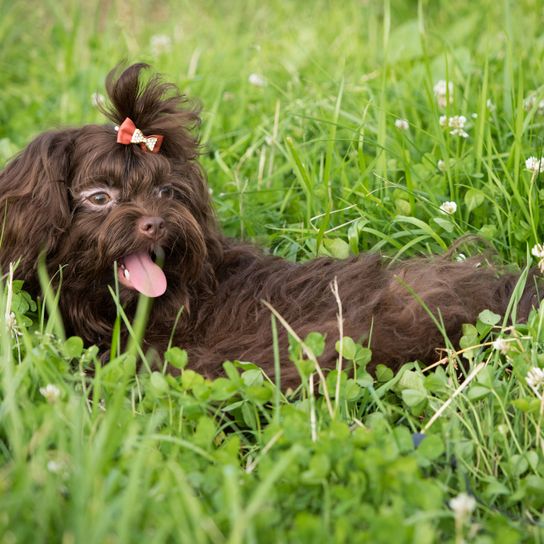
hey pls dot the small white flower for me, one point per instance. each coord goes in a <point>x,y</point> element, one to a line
<point>55,466</point>
<point>534,165</point>
<point>538,251</point>
<point>535,379</point>
<point>463,505</point>
<point>456,123</point>
<point>97,100</point>
<point>443,91</point>
<point>51,393</point>
<point>257,80</point>
<point>531,102</point>
<point>449,208</point>
<point>160,43</point>
<point>11,323</point>
<point>490,106</point>
<point>402,124</point>
<point>500,344</point>
<point>441,165</point>
<point>459,132</point>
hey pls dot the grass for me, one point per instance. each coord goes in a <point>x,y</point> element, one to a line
<point>310,163</point>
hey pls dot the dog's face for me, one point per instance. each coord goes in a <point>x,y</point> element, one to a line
<point>107,212</point>
<point>132,211</point>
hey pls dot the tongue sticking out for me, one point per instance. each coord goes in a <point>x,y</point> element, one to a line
<point>142,274</point>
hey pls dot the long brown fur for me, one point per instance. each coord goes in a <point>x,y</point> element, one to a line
<point>219,282</point>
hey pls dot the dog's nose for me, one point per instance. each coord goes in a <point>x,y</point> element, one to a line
<point>152,227</point>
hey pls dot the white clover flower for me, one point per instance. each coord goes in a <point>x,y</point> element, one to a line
<point>534,165</point>
<point>490,106</point>
<point>456,123</point>
<point>459,132</point>
<point>51,393</point>
<point>500,344</point>
<point>257,80</point>
<point>443,91</point>
<point>538,251</point>
<point>531,102</point>
<point>97,100</point>
<point>463,505</point>
<point>535,379</point>
<point>11,324</point>
<point>402,124</point>
<point>55,466</point>
<point>448,208</point>
<point>160,43</point>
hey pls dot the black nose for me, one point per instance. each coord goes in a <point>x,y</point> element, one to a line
<point>152,227</point>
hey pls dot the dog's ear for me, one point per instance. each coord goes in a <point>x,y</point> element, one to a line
<point>34,201</point>
<point>155,107</point>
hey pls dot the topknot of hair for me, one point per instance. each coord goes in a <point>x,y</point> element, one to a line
<point>155,107</point>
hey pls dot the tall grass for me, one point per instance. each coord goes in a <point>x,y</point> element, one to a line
<point>304,158</point>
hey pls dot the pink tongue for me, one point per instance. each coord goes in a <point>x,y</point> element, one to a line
<point>144,275</point>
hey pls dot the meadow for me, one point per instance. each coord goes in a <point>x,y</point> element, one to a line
<point>328,128</point>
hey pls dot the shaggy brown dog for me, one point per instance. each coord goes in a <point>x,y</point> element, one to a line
<point>87,201</point>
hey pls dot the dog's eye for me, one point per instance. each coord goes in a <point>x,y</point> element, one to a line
<point>99,199</point>
<point>166,192</point>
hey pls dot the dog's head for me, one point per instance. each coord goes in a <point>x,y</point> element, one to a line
<point>92,205</point>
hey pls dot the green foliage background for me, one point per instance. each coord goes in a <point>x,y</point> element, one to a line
<point>308,163</point>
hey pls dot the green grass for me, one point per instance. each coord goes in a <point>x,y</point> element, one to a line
<point>310,163</point>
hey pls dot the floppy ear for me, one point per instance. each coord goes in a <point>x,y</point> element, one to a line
<point>34,205</point>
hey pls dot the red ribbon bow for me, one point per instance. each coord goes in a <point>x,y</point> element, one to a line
<point>129,134</point>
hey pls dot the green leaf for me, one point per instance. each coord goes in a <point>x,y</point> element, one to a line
<point>412,397</point>
<point>383,373</point>
<point>527,404</point>
<point>252,377</point>
<point>518,464</point>
<point>176,357</point>
<point>316,342</point>
<point>248,413</point>
<point>336,247</point>
<point>489,318</point>
<point>447,225</point>
<point>159,385</point>
<point>73,347</point>
<point>348,348</point>
<point>431,448</point>
<point>488,232</point>
<point>473,199</point>
<point>477,392</point>
<point>496,488</point>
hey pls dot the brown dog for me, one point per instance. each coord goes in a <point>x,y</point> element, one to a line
<point>90,197</point>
